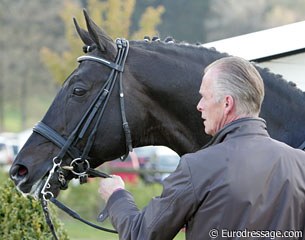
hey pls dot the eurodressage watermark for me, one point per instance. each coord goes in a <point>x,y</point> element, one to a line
<point>270,234</point>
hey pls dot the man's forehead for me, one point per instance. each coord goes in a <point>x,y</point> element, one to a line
<point>207,81</point>
<point>212,72</point>
<point>205,88</point>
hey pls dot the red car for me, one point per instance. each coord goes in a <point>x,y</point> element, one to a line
<point>126,169</point>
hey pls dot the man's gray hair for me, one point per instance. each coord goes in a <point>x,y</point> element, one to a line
<point>238,78</point>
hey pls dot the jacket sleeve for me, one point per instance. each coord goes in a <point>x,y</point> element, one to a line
<point>163,217</point>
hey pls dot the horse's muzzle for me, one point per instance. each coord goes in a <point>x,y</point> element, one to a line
<point>18,173</point>
<point>21,177</point>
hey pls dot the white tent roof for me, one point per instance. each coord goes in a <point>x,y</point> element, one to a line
<point>266,43</point>
<point>281,49</point>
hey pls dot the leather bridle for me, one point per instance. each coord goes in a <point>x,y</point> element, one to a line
<point>80,166</point>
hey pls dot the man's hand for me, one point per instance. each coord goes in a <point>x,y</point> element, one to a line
<point>110,185</point>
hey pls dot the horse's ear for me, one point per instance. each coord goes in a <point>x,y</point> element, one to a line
<point>100,37</point>
<point>84,35</point>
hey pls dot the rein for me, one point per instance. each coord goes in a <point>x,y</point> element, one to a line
<point>80,166</point>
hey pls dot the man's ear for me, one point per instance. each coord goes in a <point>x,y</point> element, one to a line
<point>229,104</point>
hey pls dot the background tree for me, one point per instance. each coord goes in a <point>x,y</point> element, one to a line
<point>183,19</point>
<point>113,16</point>
<point>28,86</point>
<point>25,28</point>
<point>228,19</point>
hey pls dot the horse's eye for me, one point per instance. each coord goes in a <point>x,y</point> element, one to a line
<point>79,91</point>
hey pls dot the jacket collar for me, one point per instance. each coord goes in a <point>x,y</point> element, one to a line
<point>238,127</point>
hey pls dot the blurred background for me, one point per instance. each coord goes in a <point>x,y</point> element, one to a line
<point>39,48</point>
<point>39,45</point>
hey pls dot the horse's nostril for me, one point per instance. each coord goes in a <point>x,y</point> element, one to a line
<point>18,171</point>
<point>22,171</point>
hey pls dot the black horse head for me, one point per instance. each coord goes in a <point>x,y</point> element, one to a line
<point>160,82</point>
<point>88,105</point>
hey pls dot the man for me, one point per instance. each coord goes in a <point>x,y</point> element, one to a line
<point>243,184</point>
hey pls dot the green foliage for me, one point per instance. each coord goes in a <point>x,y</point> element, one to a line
<point>60,65</point>
<point>12,120</point>
<point>22,74</point>
<point>143,193</point>
<point>22,218</point>
<point>114,16</point>
<point>24,78</point>
<point>183,20</point>
<point>85,199</point>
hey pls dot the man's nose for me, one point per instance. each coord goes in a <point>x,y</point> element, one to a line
<point>199,106</point>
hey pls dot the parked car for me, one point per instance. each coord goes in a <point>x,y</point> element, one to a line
<point>145,154</point>
<point>126,169</point>
<point>156,162</point>
<point>8,151</point>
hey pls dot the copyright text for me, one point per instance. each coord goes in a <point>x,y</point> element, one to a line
<point>271,234</point>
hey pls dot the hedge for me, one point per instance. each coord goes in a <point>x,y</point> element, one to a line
<point>23,218</point>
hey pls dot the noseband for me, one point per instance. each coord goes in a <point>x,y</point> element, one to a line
<point>80,166</point>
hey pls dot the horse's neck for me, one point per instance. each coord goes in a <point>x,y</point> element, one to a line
<point>164,98</point>
<point>167,91</point>
<point>283,109</point>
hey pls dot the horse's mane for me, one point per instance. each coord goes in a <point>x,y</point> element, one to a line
<point>284,86</point>
<point>170,44</point>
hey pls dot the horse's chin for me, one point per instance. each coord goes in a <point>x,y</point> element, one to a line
<point>35,190</point>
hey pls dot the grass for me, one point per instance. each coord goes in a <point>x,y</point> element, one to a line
<point>80,231</point>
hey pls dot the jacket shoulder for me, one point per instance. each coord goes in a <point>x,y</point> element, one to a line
<point>213,153</point>
<point>207,164</point>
